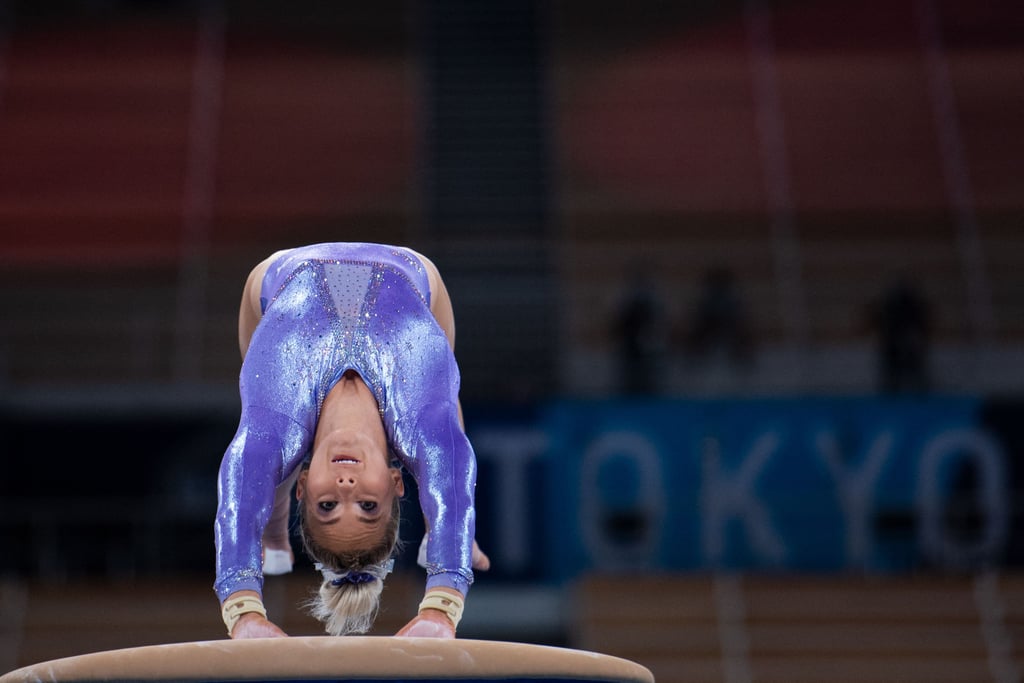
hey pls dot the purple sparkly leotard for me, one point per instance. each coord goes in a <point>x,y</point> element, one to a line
<point>330,308</point>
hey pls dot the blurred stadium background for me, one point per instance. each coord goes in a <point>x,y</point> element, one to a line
<point>758,486</point>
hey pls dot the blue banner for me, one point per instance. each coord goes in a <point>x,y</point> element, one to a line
<point>782,484</point>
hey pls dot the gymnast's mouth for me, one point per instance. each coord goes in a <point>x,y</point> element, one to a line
<point>345,460</point>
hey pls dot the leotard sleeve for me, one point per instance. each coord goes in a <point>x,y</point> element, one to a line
<point>252,467</point>
<point>444,466</point>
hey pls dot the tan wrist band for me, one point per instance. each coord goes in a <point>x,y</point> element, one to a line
<point>232,610</point>
<point>452,605</point>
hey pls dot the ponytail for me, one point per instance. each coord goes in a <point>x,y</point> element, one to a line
<point>348,603</point>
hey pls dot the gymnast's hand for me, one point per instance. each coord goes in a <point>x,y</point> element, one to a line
<point>429,623</point>
<point>255,625</point>
<point>480,560</point>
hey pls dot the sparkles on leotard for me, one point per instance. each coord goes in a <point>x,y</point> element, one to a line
<point>330,308</point>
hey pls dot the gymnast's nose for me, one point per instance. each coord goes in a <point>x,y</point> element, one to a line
<point>347,481</point>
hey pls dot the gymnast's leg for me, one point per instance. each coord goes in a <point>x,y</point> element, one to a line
<point>278,557</point>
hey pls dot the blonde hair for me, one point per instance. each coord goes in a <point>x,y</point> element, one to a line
<point>347,607</point>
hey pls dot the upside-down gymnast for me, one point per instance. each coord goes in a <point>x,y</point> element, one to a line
<point>348,373</point>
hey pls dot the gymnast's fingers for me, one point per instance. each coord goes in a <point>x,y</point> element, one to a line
<point>253,625</point>
<point>480,559</point>
<point>429,624</point>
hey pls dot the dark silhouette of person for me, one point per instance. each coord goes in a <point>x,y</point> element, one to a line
<point>640,334</point>
<point>719,323</point>
<point>903,321</point>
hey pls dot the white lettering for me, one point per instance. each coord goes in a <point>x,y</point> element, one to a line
<point>855,487</point>
<point>605,552</point>
<point>511,450</point>
<point>991,497</point>
<point>723,497</point>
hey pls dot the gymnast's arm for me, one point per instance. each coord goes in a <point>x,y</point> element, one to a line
<point>444,466</point>
<point>431,622</point>
<point>230,536</point>
<point>250,312</point>
<point>250,473</point>
<point>441,308</point>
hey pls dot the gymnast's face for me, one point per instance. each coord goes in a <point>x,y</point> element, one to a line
<point>348,490</point>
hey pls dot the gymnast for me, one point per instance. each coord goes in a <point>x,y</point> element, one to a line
<point>348,375</point>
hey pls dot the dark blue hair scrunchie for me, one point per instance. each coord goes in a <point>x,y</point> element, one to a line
<point>353,577</point>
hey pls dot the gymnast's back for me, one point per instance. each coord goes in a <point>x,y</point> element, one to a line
<point>400,259</point>
<point>331,308</point>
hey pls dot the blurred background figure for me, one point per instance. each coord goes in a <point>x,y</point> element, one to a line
<point>641,334</point>
<point>718,328</point>
<point>902,321</point>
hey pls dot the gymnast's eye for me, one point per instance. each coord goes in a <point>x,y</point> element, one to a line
<point>368,505</point>
<point>327,505</point>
